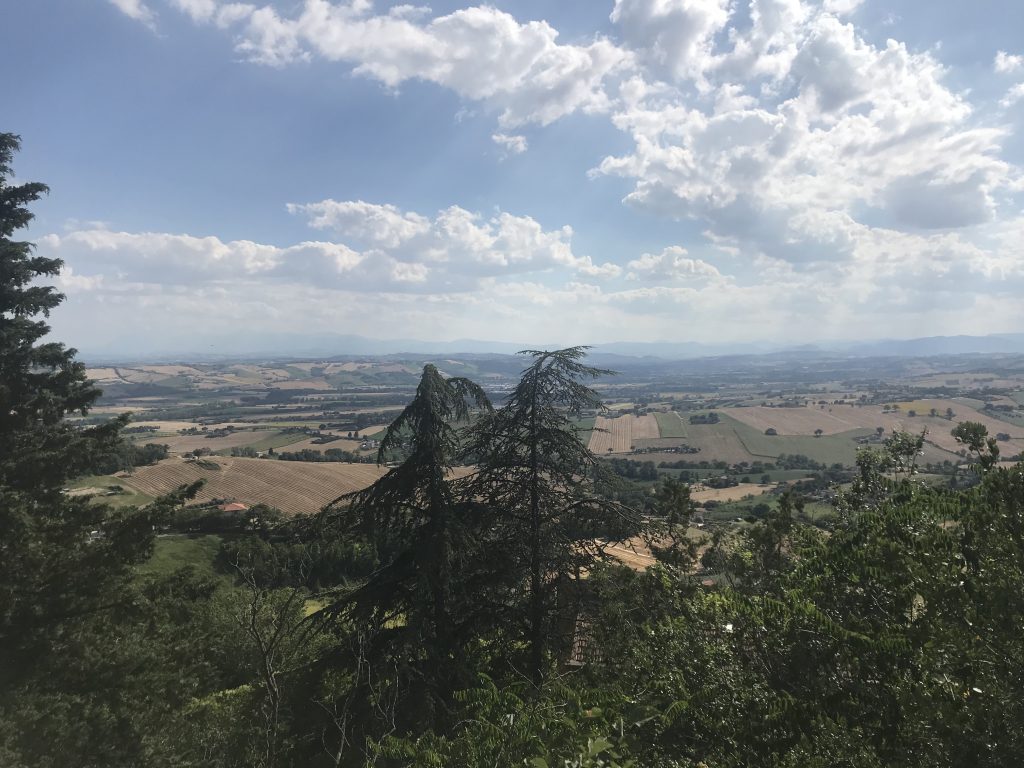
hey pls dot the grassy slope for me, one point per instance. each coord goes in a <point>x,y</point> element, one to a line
<point>670,425</point>
<point>171,553</point>
<point>130,497</point>
<point>272,440</point>
<point>828,449</point>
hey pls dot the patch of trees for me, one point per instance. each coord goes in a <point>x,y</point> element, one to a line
<point>797,461</point>
<point>633,470</point>
<point>139,429</point>
<point>331,454</point>
<point>207,518</point>
<point>124,456</point>
<point>705,418</point>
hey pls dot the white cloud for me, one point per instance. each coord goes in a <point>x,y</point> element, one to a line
<point>1006,63</point>
<point>379,248</point>
<point>913,282</point>
<point>514,145</point>
<point>844,128</point>
<point>481,53</point>
<point>1015,94</point>
<point>669,265</point>
<point>377,225</point>
<point>842,7</point>
<point>136,9</point>
<point>673,37</point>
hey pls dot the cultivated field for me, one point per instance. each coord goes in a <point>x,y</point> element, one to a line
<point>831,420</point>
<point>187,443</point>
<point>835,420</point>
<point>716,442</point>
<point>670,425</point>
<point>307,442</point>
<point>294,487</point>
<point>622,433</point>
<point>735,493</point>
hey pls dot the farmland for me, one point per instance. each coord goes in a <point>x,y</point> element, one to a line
<point>856,421</point>
<point>670,425</point>
<point>664,416</point>
<point>618,435</point>
<point>293,487</point>
<point>733,493</point>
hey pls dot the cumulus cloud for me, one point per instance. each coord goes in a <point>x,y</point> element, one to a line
<point>673,37</point>
<point>378,225</point>
<point>481,53</point>
<point>837,127</point>
<point>136,9</point>
<point>374,248</point>
<point>514,145</point>
<point>466,242</point>
<point>671,264</point>
<point>1015,94</point>
<point>1006,63</point>
<point>842,7</point>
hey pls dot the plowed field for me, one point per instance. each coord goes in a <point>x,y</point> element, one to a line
<point>293,487</point>
<point>621,433</point>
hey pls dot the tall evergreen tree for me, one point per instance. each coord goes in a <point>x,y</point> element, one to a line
<point>534,473</point>
<point>63,561</point>
<point>413,613</point>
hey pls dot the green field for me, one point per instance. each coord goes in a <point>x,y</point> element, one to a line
<point>172,553</point>
<point>774,475</point>
<point>827,449</point>
<point>814,511</point>
<point>670,424</point>
<point>128,498</point>
<point>272,440</point>
<point>733,441</point>
<point>585,427</point>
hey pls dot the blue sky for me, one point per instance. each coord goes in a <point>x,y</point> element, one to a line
<point>580,171</point>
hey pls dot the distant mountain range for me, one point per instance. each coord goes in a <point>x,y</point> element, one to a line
<point>321,345</point>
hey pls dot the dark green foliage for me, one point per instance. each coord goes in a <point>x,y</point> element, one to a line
<point>414,613</point>
<point>534,474</point>
<point>49,541</point>
<point>125,456</point>
<point>331,454</point>
<point>705,418</point>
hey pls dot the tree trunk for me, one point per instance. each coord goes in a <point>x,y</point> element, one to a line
<point>536,596</point>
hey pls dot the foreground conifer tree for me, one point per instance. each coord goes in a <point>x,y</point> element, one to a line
<point>533,473</point>
<point>414,615</point>
<point>63,561</point>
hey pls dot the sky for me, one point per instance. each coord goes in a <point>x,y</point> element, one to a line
<point>778,171</point>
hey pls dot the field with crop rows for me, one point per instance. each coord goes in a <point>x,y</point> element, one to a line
<point>186,443</point>
<point>293,487</point>
<point>621,433</point>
